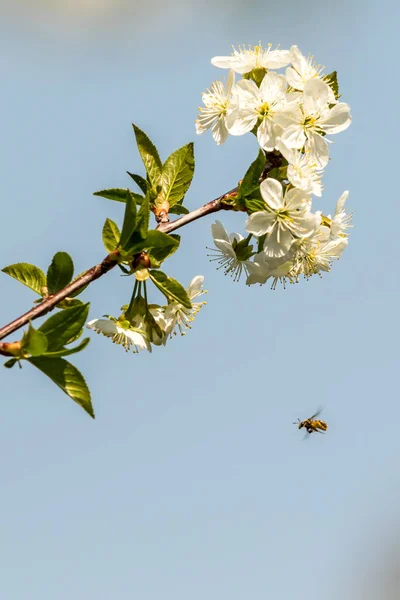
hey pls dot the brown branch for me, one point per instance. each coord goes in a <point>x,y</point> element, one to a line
<point>207,209</point>
<point>101,269</point>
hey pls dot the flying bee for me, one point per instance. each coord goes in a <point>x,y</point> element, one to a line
<point>312,424</point>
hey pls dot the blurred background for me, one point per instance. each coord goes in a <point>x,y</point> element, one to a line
<point>193,482</point>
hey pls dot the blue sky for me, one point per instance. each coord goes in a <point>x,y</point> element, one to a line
<point>193,482</point>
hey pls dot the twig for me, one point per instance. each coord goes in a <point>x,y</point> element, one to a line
<point>102,268</point>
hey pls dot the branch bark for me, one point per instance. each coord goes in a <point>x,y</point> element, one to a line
<point>101,269</point>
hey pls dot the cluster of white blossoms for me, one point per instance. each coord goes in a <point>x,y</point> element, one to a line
<point>291,115</point>
<point>155,326</point>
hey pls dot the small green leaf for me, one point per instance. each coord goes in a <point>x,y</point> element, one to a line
<point>34,342</point>
<point>69,351</point>
<point>111,235</point>
<point>129,223</point>
<point>29,275</point>
<point>10,363</point>
<point>60,272</point>
<point>156,240</point>
<point>251,180</point>
<point>149,155</point>
<point>178,209</point>
<point>171,288</point>
<point>63,327</point>
<point>140,181</point>
<point>158,254</point>
<point>124,270</point>
<point>143,218</point>
<point>117,194</point>
<point>177,174</point>
<point>332,81</point>
<point>279,173</point>
<point>68,378</point>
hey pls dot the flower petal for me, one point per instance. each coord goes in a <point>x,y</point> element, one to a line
<point>341,202</point>
<point>219,131</point>
<point>266,135</point>
<point>339,118</point>
<point>272,192</point>
<point>104,326</point>
<point>294,79</point>
<point>275,59</point>
<point>293,136</point>
<point>236,63</point>
<point>218,231</point>
<point>316,95</point>
<point>278,245</point>
<point>241,121</point>
<point>260,222</point>
<point>273,87</point>
<point>318,147</point>
<point>194,288</point>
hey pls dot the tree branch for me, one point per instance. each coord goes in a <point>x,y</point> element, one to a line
<point>102,268</point>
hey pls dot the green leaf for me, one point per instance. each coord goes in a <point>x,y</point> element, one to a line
<point>279,173</point>
<point>171,288</point>
<point>178,209</point>
<point>124,270</point>
<point>332,81</point>
<point>158,254</point>
<point>10,363</point>
<point>129,223</point>
<point>69,351</point>
<point>143,218</point>
<point>149,155</point>
<point>177,174</point>
<point>117,194</point>
<point>29,275</point>
<point>34,341</point>
<point>68,378</point>
<point>60,272</point>
<point>157,241</point>
<point>64,326</point>
<point>140,181</point>
<point>111,235</point>
<point>251,179</point>
<point>243,249</point>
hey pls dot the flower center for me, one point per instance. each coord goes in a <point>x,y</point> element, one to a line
<point>265,110</point>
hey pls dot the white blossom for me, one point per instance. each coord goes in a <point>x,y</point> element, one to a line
<point>302,70</point>
<point>261,269</point>
<point>121,333</point>
<point>252,105</point>
<point>305,126</point>
<point>158,314</point>
<point>245,60</point>
<point>227,253</point>
<point>179,317</point>
<point>301,172</point>
<point>286,217</point>
<point>317,253</point>
<point>341,220</point>
<point>216,105</point>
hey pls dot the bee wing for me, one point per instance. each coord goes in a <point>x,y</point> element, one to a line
<point>317,413</point>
